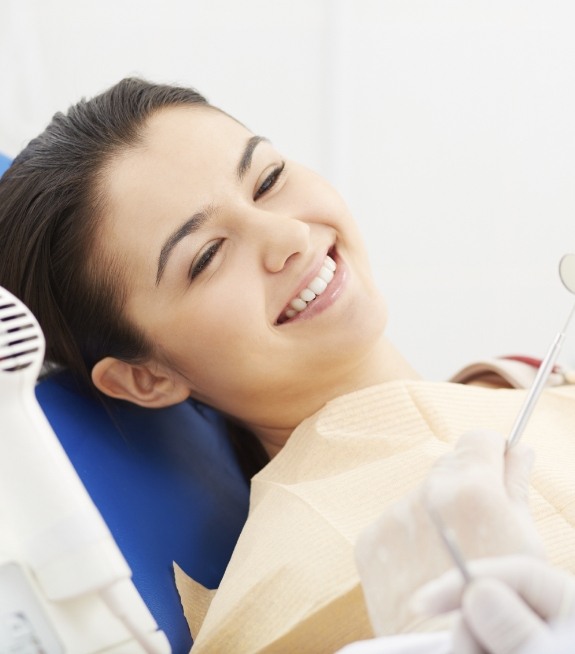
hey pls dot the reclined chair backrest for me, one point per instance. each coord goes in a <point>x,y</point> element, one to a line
<point>4,163</point>
<point>166,482</point>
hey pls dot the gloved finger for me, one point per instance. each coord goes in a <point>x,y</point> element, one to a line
<point>548,591</point>
<point>518,466</point>
<point>441,595</point>
<point>478,456</point>
<point>463,641</point>
<point>498,618</point>
<point>481,447</point>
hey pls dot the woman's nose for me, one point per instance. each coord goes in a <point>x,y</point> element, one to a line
<point>281,239</point>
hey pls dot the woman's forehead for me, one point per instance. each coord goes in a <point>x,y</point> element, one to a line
<point>178,145</point>
<point>184,158</point>
<point>205,128</point>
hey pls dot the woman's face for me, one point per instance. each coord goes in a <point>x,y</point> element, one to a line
<point>218,234</point>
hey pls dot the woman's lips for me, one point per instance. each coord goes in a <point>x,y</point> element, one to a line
<point>311,294</point>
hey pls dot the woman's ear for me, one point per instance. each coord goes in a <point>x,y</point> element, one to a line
<point>138,383</point>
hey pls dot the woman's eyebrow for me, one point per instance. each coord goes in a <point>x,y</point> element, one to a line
<point>198,219</point>
<point>246,160</point>
<point>191,225</point>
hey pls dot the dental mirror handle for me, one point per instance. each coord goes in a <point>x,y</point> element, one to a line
<point>448,539</point>
<point>537,386</point>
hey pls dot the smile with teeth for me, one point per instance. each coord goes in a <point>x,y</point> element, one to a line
<point>316,287</point>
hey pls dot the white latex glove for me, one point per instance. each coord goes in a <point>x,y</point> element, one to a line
<point>481,494</point>
<point>507,606</point>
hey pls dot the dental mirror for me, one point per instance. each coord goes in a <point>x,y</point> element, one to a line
<point>567,275</point>
<point>567,272</point>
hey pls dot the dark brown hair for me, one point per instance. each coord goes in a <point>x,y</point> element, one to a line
<point>50,205</point>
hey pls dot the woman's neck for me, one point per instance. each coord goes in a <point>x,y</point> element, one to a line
<point>381,364</point>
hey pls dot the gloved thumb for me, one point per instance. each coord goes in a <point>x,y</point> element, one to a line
<point>498,618</point>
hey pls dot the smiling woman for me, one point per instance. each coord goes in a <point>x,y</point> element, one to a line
<point>168,252</point>
<point>257,243</point>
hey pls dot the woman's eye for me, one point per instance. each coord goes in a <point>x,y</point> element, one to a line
<point>270,181</point>
<point>203,260</point>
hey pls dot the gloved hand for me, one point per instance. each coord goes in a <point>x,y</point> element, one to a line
<point>480,492</point>
<point>507,606</point>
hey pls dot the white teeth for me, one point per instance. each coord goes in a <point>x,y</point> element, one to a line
<point>307,295</point>
<point>316,287</point>
<point>326,274</point>
<point>298,304</point>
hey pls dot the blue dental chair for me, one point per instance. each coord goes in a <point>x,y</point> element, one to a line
<point>4,163</point>
<point>166,481</point>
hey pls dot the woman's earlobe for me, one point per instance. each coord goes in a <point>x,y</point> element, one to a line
<point>138,383</point>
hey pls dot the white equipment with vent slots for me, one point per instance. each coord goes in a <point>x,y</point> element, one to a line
<point>65,586</point>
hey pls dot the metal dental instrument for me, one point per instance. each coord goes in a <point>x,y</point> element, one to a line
<point>567,274</point>
<point>448,538</point>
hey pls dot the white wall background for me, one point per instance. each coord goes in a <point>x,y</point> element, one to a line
<point>447,125</point>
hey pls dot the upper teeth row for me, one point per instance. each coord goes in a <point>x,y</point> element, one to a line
<point>316,287</point>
